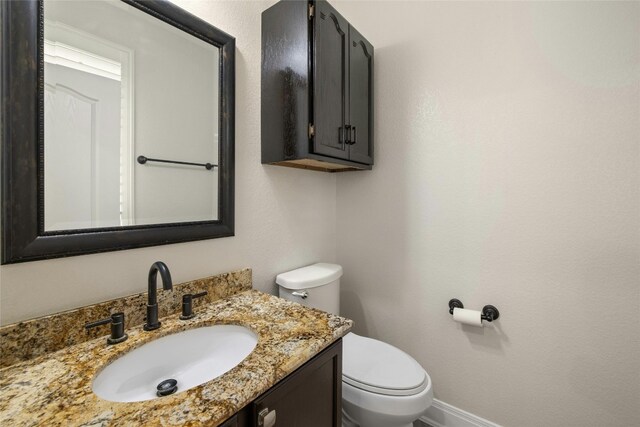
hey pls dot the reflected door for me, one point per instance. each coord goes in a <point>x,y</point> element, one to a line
<point>82,149</point>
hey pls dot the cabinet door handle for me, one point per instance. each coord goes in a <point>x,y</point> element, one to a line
<point>266,418</point>
<point>355,135</point>
<point>347,135</point>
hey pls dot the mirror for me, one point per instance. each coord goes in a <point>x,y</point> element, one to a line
<point>120,84</point>
<point>134,138</point>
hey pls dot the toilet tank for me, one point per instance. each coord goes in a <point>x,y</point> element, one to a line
<point>316,286</point>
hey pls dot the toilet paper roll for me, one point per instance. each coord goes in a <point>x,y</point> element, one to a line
<point>468,317</point>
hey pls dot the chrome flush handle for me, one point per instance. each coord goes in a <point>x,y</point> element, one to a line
<point>301,294</point>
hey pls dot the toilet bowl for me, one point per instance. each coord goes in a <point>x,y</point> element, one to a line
<point>382,386</point>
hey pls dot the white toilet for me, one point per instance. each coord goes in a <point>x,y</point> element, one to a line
<point>382,386</point>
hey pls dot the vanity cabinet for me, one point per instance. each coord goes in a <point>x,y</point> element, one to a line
<point>317,89</point>
<point>309,397</point>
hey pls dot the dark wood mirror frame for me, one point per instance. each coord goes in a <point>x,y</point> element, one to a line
<point>22,127</point>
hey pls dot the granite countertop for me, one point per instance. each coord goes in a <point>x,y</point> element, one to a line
<point>54,389</point>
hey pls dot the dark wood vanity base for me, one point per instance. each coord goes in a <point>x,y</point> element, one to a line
<point>310,397</point>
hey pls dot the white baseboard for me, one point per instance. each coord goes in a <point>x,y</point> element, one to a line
<point>442,414</point>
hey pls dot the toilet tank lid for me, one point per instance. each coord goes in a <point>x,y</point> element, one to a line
<point>310,276</point>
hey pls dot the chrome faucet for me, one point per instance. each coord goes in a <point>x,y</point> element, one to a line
<point>152,303</point>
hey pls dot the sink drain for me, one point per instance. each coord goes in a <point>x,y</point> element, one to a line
<point>167,387</point>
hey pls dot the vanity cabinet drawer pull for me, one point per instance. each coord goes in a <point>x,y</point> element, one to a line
<point>266,418</point>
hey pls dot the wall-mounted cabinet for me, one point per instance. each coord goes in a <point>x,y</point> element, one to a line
<point>317,89</point>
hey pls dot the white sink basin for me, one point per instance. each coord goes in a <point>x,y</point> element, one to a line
<point>191,357</point>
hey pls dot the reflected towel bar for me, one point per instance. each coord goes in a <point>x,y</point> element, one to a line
<point>142,160</point>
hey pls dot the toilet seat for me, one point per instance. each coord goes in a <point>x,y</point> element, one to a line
<point>385,391</point>
<point>377,367</point>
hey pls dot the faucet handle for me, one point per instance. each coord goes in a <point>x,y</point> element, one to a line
<point>117,327</point>
<point>187,305</point>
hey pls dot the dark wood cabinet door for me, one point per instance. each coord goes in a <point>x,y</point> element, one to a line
<point>231,422</point>
<point>330,85</point>
<point>360,98</point>
<point>310,397</point>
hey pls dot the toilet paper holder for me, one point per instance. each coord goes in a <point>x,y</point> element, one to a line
<point>489,312</point>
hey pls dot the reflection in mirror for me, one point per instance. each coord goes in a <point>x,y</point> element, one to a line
<point>120,84</point>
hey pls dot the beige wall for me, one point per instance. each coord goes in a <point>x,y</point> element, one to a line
<point>507,144</point>
<point>284,217</point>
